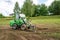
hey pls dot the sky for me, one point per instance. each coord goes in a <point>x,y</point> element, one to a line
<point>7,6</point>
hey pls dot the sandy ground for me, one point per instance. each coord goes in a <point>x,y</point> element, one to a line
<point>6,33</point>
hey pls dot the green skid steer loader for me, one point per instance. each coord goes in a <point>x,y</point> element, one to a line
<point>20,22</point>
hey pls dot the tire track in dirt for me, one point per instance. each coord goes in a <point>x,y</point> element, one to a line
<point>9,34</point>
<point>1,37</point>
<point>19,36</point>
<point>32,37</point>
<point>22,37</point>
<point>14,37</point>
<point>26,35</point>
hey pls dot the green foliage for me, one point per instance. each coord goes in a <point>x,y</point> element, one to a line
<point>41,10</point>
<point>30,9</point>
<point>27,8</point>
<point>37,10</point>
<point>1,16</point>
<point>55,8</point>
<point>16,8</point>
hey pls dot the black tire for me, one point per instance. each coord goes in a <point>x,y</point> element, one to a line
<point>23,27</point>
<point>14,27</point>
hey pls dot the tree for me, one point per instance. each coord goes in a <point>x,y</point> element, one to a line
<point>37,10</point>
<point>27,8</point>
<point>1,15</point>
<point>43,10</point>
<point>55,8</point>
<point>16,10</point>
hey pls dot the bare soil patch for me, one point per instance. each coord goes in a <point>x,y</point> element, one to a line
<point>6,33</point>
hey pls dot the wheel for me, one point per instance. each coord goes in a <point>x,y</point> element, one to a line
<point>14,27</point>
<point>23,27</point>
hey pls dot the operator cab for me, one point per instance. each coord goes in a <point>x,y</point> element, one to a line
<point>23,17</point>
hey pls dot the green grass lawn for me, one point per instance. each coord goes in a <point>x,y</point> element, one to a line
<point>4,21</point>
<point>36,20</point>
<point>46,19</point>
